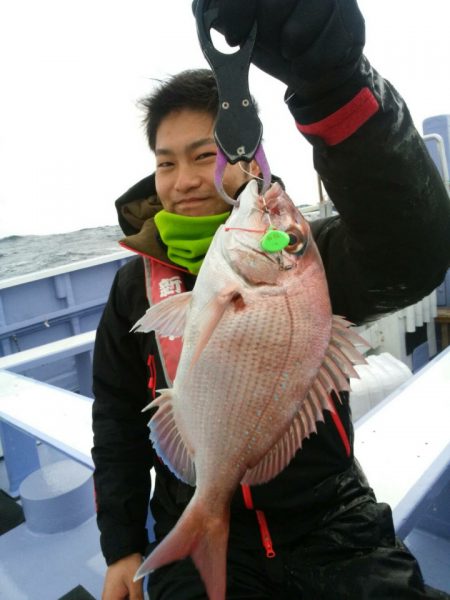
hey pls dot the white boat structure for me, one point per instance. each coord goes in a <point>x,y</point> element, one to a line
<point>47,332</point>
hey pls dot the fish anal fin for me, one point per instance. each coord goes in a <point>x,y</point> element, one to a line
<point>168,318</point>
<point>168,440</point>
<point>341,328</point>
<point>281,454</point>
<point>341,383</point>
<point>342,353</point>
<point>332,375</point>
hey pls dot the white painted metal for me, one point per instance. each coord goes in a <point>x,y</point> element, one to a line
<point>46,353</point>
<point>58,417</point>
<point>442,156</point>
<point>406,435</point>
<point>388,333</point>
<point>381,376</point>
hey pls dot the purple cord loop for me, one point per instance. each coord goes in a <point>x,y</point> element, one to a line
<point>263,164</point>
<point>221,163</point>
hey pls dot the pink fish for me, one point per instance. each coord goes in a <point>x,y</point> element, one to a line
<point>261,353</point>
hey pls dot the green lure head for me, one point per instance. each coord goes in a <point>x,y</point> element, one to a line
<point>274,240</point>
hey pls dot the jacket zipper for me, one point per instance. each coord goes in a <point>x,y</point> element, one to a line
<point>340,428</point>
<point>152,379</point>
<point>260,516</point>
<point>262,522</point>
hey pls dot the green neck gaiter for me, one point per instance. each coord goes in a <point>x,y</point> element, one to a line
<point>188,238</point>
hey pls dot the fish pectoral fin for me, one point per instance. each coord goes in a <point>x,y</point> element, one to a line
<point>168,441</point>
<point>214,312</point>
<point>168,318</point>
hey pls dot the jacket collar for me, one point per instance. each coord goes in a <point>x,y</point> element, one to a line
<point>148,243</point>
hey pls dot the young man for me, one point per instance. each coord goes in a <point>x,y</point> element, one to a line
<point>387,249</point>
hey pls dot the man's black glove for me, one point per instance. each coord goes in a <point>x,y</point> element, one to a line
<point>313,46</point>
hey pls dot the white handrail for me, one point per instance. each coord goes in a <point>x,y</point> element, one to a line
<point>35,357</point>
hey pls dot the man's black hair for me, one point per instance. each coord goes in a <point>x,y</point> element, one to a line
<point>194,89</point>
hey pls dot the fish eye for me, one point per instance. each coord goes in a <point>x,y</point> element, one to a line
<point>297,242</point>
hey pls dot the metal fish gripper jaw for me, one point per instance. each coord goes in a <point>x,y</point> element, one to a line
<point>238,128</point>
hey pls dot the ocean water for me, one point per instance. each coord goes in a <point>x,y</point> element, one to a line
<point>20,255</point>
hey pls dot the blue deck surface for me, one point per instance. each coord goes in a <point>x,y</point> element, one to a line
<point>433,554</point>
<point>429,540</point>
<point>47,566</point>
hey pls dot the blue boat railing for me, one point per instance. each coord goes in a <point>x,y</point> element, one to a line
<point>56,304</point>
<point>19,446</point>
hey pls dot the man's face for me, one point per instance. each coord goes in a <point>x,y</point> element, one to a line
<point>185,153</point>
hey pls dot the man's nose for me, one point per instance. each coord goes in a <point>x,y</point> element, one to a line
<point>187,178</point>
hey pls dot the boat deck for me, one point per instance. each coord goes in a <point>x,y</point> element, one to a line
<point>60,566</point>
<point>69,565</point>
<point>415,482</point>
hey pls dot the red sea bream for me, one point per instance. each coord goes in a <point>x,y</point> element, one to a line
<point>261,353</point>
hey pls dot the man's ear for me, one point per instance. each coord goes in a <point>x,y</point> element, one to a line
<point>254,168</point>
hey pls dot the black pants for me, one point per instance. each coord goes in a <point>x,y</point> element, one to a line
<point>352,555</point>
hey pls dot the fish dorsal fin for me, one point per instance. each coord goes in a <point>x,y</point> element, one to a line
<point>333,375</point>
<point>167,439</point>
<point>168,318</point>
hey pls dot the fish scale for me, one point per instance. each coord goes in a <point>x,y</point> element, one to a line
<point>261,354</point>
<point>242,388</point>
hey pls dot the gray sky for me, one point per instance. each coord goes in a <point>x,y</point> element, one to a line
<point>72,71</point>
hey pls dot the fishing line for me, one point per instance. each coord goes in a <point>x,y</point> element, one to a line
<point>273,240</point>
<point>249,172</point>
<point>266,209</point>
<point>244,229</point>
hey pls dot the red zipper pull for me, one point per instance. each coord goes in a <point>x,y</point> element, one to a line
<point>262,522</point>
<point>152,379</point>
<point>265,534</point>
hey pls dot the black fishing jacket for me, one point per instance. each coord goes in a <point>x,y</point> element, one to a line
<point>388,247</point>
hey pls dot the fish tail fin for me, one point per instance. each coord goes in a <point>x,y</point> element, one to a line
<point>203,537</point>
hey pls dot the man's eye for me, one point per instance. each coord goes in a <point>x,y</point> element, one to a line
<point>164,165</point>
<point>204,155</point>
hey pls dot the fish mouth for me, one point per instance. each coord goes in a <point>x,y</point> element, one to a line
<point>263,275</point>
<point>276,258</point>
